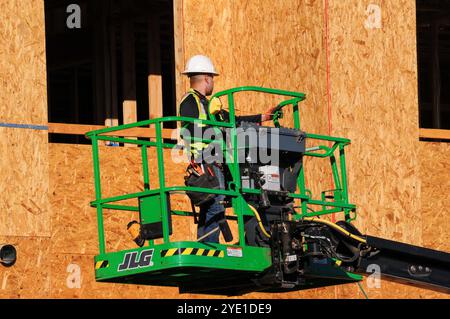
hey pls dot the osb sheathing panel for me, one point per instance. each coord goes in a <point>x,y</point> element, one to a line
<point>276,44</point>
<point>387,290</point>
<point>24,183</point>
<point>30,277</point>
<point>272,44</point>
<point>69,221</point>
<point>22,62</point>
<point>282,47</point>
<point>74,232</point>
<point>72,189</point>
<point>435,194</point>
<point>270,49</point>
<point>374,103</point>
<point>207,30</point>
<point>90,289</point>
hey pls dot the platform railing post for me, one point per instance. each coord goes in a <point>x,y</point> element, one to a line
<point>344,180</point>
<point>162,182</point>
<point>302,189</point>
<point>145,167</point>
<point>296,117</point>
<point>238,203</point>
<point>337,182</point>
<point>98,194</point>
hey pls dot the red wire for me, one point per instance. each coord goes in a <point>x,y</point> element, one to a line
<point>327,48</point>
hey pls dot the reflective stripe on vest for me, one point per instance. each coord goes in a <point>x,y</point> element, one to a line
<point>196,147</point>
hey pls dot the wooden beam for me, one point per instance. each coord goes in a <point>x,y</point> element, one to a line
<point>154,68</point>
<point>72,129</point>
<point>111,122</point>
<point>178,20</point>
<point>129,112</point>
<point>434,134</point>
<point>81,129</point>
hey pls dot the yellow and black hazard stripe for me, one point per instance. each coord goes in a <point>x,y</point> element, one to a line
<point>192,252</point>
<point>101,264</point>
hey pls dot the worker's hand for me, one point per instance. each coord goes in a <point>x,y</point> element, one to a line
<point>268,114</point>
<point>215,105</point>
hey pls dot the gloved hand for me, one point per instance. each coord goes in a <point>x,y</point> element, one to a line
<point>268,114</point>
<point>215,105</point>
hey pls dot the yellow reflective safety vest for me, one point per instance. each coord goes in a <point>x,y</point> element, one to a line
<point>195,147</point>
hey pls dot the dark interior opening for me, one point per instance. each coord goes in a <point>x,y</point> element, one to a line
<point>91,70</point>
<point>433,55</point>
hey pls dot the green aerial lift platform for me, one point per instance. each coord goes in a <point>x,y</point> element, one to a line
<point>283,243</point>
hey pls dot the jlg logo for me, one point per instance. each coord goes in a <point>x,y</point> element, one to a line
<point>133,261</point>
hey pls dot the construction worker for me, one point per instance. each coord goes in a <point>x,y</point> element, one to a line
<point>201,73</point>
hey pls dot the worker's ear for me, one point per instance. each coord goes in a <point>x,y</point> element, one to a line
<point>215,105</point>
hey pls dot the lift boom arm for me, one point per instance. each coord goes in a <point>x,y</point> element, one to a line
<point>408,263</point>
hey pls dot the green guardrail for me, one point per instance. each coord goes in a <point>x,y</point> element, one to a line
<point>337,202</point>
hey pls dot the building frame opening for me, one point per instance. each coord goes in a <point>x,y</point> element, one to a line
<point>109,62</point>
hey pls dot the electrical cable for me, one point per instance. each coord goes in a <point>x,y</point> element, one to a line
<point>258,218</point>
<point>336,227</point>
<point>362,290</point>
<point>330,251</point>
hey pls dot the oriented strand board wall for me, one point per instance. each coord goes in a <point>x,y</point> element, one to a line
<point>24,183</point>
<point>73,240</point>
<point>31,275</point>
<point>23,100</point>
<point>71,189</point>
<point>400,184</point>
<point>22,62</point>
<point>74,232</point>
<point>275,44</point>
<point>372,86</point>
<point>374,102</point>
<point>434,161</point>
<point>434,168</point>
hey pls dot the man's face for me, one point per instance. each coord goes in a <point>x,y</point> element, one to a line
<point>209,84</point>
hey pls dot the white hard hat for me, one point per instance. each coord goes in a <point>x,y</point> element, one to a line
<point>200,64</point>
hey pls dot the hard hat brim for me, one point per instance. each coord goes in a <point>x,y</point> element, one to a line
<point>198,73</point>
